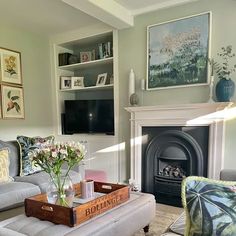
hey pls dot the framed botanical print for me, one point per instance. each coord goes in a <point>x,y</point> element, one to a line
<point>178,52</point>
<point>12,102</point>
<point>10,65</point>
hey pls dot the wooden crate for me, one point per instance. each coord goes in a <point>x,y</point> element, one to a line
<point>115,194</point>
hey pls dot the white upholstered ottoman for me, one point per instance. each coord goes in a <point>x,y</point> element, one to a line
<point>125,220</point>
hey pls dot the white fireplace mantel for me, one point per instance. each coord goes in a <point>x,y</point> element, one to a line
<point>204,114</point>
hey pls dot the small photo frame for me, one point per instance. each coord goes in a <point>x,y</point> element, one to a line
<point>77,82</point>
<point>101,80</point>
<point>85,56</point>
<point>12,102</point>
<point>65,82</point>
<point>10,65</point>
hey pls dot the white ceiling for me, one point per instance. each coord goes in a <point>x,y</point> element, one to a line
<point>57,16</point>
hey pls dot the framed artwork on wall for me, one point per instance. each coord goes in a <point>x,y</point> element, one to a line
<point>178,52</point>
<point>12,102</point>
<point>10,65</point>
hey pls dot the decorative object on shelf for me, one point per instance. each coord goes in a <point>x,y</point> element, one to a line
<point>73,59</point>
<point>65,82</point>
<point>10,66</point>
<point>12,102</point>
<point>111,81</point>
<point>93,55</point>
<point>211,88</point>
<point>63,58</point>
<point>142,84</point>
<point>104,50</point>
<point>177,52</point>
<point>77,82</point>
<point>225,87</point>
<point>51,159</point>
<point>85,56</point>
<point>101,80</point>
<point>133,98</point>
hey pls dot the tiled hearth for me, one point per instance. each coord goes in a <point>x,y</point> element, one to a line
<point>212,115</point>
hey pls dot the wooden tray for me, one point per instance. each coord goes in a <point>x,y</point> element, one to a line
<point>38,206</point>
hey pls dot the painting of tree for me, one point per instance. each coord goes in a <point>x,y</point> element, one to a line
<point>178,52</point>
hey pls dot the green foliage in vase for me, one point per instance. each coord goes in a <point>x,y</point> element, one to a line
<point>51,159</point>
<point>223,69</point>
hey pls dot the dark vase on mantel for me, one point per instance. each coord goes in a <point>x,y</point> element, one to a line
<point>225,90</point>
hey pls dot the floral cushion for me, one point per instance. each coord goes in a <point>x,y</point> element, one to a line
<point>4,165</point>
<point>209,206</point>
<point>28,146</point>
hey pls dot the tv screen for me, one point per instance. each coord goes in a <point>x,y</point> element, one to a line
<point>89,116</point>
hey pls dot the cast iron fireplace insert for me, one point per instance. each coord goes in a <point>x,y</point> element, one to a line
<point>170,154</point>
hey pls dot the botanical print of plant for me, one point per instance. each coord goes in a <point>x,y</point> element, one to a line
<point>10,65</point>
<point>13,102</point>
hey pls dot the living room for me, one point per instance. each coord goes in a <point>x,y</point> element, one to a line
<point>38,72</point>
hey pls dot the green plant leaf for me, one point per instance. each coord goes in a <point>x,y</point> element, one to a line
<point>16,105</point>
<point>9,94</point>
<point>13,98</point>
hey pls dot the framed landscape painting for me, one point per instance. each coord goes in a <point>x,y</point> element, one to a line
<point>12,102</point>
<point>10,65</point>
<point>178,52</point>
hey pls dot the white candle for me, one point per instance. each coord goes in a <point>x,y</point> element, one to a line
<point>131,82</point>
<point>142,84</point>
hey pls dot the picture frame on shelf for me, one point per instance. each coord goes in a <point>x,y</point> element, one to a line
<point>65,82</point>
<point>10,65</point>
<point>178,52</point>
<point>104,50</point>
<point>77,82</point>
<point>101,80</point>
<point>85,56</point>
<point>12,102</point>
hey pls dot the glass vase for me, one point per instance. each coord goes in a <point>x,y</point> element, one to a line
<point>60,191</point>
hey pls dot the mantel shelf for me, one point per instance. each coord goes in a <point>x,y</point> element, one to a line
<point>87,64</point>
<point>98,87</point>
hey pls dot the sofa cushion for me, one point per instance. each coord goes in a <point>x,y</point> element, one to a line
<point>13,194</point>
<point>14,156</point>
<point>209,206</point>
<point>42,179</point>
<point>4,165</point>
<point>27,147</point>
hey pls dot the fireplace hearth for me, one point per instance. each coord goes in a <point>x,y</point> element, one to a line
<point>169,155</point>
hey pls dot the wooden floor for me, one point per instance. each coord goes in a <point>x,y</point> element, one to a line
<point>169,209</point>
<point>165,216</point>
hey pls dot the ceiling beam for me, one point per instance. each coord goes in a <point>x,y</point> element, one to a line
<point>107,11</point>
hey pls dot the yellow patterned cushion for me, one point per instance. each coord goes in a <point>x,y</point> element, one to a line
<point>4,165</point>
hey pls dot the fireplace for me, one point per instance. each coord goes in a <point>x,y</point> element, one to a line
<point>182,117</point>
<point>169,154</point>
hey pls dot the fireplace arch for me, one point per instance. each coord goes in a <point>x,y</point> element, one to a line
<point>168,158</point>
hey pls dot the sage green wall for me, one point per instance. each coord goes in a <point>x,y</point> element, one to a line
<point>132,54</point>
<point>36,83</point>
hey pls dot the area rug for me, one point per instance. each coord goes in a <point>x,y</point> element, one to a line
<point>165,216</point>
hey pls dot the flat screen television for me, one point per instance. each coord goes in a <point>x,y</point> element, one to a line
<point>89,116</point>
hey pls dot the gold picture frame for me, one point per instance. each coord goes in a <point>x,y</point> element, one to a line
<point>12,102</point>
<point>10,66</point>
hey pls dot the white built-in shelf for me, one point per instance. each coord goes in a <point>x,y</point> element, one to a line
<point>97,87</point>
<point>87,64</point>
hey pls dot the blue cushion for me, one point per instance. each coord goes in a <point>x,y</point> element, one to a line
<point>27,147</point>
<point>210,207</point>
